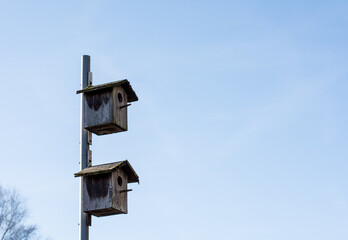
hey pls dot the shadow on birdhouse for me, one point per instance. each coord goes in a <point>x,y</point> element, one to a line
<point>105,188</point>
<point>106,107</point>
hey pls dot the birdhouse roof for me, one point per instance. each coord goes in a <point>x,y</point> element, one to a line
<point>110,167</point>
<point>132,97</point>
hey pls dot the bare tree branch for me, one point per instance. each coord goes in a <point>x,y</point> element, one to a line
<point>12,214</point>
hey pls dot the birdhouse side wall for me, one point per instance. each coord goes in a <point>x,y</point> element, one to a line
<point>98,109</point>
<point>97,192</point>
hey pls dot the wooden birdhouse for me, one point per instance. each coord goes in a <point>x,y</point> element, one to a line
<point>105,188</point>
<point>106,107</point>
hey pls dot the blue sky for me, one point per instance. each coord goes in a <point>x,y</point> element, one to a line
<point>239,133</point>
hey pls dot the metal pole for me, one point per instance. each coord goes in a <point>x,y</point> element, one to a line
<point>84,146</point>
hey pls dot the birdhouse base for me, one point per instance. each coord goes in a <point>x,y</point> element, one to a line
<point>105,129</point>
<point>105,212</point>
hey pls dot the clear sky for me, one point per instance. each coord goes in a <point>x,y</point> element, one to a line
<point>240,131</point>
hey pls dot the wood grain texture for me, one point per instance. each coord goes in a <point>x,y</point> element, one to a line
<point>105,112</point>
<point>105,188</point>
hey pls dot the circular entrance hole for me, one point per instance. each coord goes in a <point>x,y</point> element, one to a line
<point>119,96</point>
<point>119,181</point>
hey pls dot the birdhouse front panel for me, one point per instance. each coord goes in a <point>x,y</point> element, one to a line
<point>120,107</point>
<point>119,200</point>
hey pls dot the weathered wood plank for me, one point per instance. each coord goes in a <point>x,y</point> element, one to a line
<point>110,167</point>
<point>132,97</point>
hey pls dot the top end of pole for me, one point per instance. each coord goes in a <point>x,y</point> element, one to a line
<point>85,57</point>
<point>85,69</point>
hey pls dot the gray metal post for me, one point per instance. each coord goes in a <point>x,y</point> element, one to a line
<point>84,146</point>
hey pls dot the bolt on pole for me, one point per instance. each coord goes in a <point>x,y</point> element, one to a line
<point>84,146</point>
